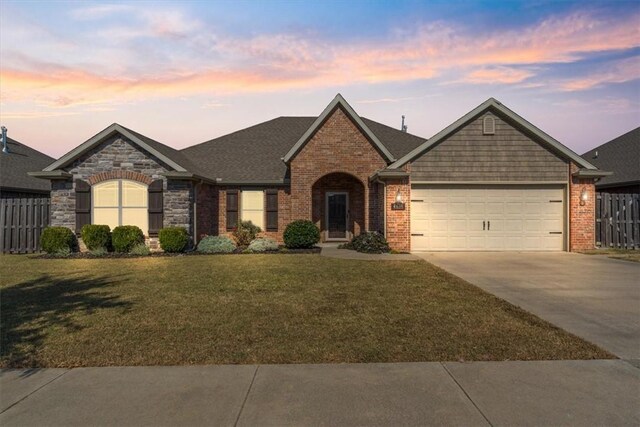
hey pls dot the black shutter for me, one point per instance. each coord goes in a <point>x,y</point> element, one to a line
<point>272,210</point>
<point>232,209</point>
<point>156,207</point>
<point>83,204</point>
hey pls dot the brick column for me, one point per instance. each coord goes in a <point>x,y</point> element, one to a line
<point>398,221</point>
<point>582,218</point>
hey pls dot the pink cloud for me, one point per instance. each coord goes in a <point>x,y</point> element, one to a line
<point>619,72</point>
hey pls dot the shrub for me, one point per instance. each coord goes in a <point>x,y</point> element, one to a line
<point>126,237</point>
<point>173,239</point>
<point>263,245</point>
<point>140,249</point>
<point>63,253</point>
<point>96,236</point>
<point>98,252</point>
<point>245,233</point>
<point>301,234</point>
<point>216,245</point>
<point>370,242</point>
<point>55,239</point>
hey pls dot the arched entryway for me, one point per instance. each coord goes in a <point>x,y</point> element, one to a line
<point>338,206</point>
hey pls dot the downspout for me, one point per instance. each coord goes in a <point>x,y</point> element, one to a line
<point>195,212</point>
<point>384,206</point>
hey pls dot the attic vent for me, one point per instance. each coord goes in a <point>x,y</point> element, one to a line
<point>488,125</point>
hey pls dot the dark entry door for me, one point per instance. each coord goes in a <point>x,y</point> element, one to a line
<point>337,215</point>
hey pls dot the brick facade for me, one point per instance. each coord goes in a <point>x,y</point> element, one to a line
<point>581,217</point>
<point>339,182</point>
<point>398,221</point>
<point>338,146</point>
<point>118,158</point>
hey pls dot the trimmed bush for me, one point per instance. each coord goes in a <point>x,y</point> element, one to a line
<point>216,245</point>
<point>245,233</point>
<point>370,242</point>
<point>301,234</point>
<point>140,249</point>
<point>96,236</point>
<point>263,244</point>
<point>173,239</point>
<point>126,237</point>
<point>58,239</point>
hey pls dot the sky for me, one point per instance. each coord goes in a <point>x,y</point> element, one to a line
<point>186,72</point>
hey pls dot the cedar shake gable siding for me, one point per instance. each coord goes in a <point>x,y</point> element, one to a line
<point>508,155</point>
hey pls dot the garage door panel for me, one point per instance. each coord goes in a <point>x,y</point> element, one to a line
<point>522,218</point>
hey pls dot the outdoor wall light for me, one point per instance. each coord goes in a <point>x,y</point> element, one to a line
<point>584,196</point>
<point>398,204</point>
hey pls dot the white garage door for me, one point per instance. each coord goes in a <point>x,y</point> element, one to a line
<point>498,218</point>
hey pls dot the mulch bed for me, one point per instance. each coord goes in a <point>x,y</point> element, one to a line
<point>239,251</point>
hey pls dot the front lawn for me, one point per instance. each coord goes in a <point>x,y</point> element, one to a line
<point>258,309</point>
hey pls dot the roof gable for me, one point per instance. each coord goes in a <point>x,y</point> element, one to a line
<point>161,151</point>
<point>338,102</point>
<point>497,106</point>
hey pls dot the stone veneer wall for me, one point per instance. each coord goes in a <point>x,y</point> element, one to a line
<point>118,154</point>
<point>582,219</point>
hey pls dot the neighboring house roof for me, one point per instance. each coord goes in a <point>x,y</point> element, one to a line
<point>255,154</point>
<point>338,102</point>
<point>15,165</point>
<point>494,105</point>
<point>620,155</point>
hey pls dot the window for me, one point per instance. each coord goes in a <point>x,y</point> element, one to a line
<point>252,204</point>
<point>489,125</point>
<point>121,202</point>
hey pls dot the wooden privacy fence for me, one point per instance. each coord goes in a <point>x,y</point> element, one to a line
<point>22,222</point>
<point>618,221</point>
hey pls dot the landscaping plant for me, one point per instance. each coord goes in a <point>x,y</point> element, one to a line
<point>140,249</point>
<point>96,236</point>
<point>216,245</point>
<point>126,237</point>
<point>58,239</point>
<point>173,239</point>
<point>245,233</point>
<point>370,242</point>
<point>263,244</point>
<point>301,234</point>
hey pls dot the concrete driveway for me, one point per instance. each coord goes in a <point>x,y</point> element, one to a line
<point>594,297</point>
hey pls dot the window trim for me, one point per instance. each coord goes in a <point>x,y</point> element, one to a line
<point>119,206</point>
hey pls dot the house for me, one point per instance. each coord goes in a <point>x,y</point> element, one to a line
<point>621,155</point>
<point>489,181</point>
<point>16,161</point>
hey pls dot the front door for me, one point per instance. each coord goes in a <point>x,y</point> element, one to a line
<point>337,215</point>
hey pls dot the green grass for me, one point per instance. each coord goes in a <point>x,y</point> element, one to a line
<point>258,309</point>
<point>624,254</point>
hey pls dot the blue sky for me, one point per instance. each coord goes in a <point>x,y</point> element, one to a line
<point>185,72</point>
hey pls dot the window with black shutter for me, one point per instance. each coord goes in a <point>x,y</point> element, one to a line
<point>232,209</point>
<point>83,204</point>
<point>156,207</point>
<point>272,210</point>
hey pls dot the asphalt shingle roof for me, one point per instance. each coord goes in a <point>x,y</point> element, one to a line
<point>620,156</point>
<point>255,154</point>
<point>20,160</point>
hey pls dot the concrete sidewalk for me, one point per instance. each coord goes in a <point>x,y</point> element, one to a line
<point>601,392</point>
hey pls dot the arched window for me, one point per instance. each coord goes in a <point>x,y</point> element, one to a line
<point>120,202</point>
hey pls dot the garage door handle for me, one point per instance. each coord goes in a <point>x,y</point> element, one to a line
<point>417,234</point>
<point>488,225</point>
<point>483,225</point>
